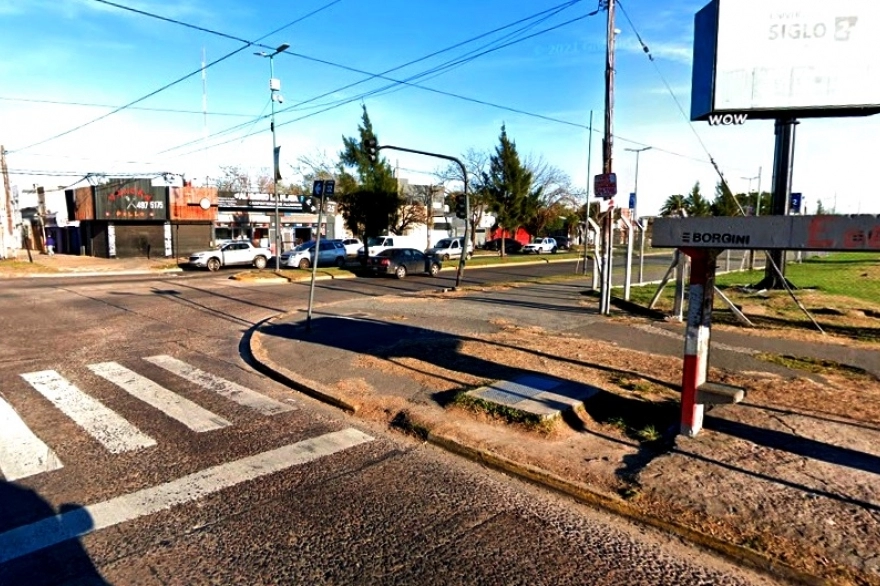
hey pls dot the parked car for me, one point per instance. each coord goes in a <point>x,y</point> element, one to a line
<point>232,253</point>
<point>563,242</point>
<point>402,261</point>
<point>510,245</point>
<point>332,252</point>
<point>352,245</point>
<point>377,244</point>
<point>541,246</point>
<point>447,248</point>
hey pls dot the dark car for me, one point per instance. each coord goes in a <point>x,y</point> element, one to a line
<point>402,261</point>
<point>563,242</point>
<point>510,245</point>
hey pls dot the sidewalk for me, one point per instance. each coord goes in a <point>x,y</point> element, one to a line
<point>59,265</point>
<point>786,481</point>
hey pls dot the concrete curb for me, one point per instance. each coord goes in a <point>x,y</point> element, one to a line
<point>67,274</point>
<point>580,492</point>
<point>281,374</point>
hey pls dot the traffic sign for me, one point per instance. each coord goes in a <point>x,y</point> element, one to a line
<point>796,200</point>
<point>318,187</point>
<point>605,185</point>
<point>632,201</point>
<point>329,187</point>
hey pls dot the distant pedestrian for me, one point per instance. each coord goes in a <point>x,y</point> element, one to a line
<point>50,245</point>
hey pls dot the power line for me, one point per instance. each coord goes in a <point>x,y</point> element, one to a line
<point>410,84</point>
<point>92,105</point>
<point>678,103</point>
<point>371,76</point>
<point>175,82</point>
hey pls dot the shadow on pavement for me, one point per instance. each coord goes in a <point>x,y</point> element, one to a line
<point>66,562</point>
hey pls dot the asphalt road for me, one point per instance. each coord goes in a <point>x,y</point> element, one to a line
<point>131,424</point>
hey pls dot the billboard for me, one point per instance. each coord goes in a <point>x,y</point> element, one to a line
<point>803,58</point>
<point>131,199</point>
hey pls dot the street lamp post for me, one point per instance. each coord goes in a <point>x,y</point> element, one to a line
<point>635,218</point>
<point>274,92</point>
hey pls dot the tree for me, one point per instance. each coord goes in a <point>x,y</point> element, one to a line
<point>725,203</point>
<point>820,208</point>
<point>551,197</point>
<point>476,163</point>
<point>369,199</point>
<point>696,204</point>
<point>674,205</point>
<point>507,185</point>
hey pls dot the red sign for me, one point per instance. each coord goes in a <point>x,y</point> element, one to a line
<point>605,185</point>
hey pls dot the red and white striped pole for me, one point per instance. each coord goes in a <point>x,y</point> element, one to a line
<point>701,294</point>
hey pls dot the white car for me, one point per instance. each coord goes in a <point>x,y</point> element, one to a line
<point>541,246</point>
<point>232,253</point>
<point>447,248</point>
<point>351,246</point>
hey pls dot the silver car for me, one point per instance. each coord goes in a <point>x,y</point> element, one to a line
<point>332,252</point>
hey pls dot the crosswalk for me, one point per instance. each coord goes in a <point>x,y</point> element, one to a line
<point>24,454</point>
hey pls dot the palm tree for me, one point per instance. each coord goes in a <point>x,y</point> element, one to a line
<point>673,206</point>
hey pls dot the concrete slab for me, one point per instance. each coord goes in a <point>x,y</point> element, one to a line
<point>544,396</point>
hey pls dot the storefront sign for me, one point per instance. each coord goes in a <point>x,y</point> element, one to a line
<point>258,201</point>
<point>134,199</point>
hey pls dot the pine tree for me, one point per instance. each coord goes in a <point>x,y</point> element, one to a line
<point>507,185</point>
<point>370,202</point>
<point>725,203</point>
<point>696,204</point>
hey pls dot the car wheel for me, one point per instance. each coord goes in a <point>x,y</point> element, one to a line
<point>434,270</point>
<point>260,262</point>
<point>214,264</point>
<point>400,272</point>
<point>470,255</point>
<point>304,263</point>
<point>445,257</point>
<point>340,261</point>
<point>553,251</point>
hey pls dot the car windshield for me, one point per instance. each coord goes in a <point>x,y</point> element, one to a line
<point>387,252</point>
<point>374,241</point>
<point>305,246</point>
<point>445,243</point>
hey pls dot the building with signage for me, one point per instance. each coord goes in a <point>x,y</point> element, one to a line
<point>250,216</point>
<point>140,217</point>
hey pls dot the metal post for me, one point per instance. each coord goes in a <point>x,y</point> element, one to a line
<point>627,269</point>
<point>783,160</point>
<point>315,262</point>
<point>607,155</point>
<point>587,202</point>
<point>634,218</point>
<point>274,176</point>
<point>696,347</point>
<point>642,230</point>
<point>678,302</point>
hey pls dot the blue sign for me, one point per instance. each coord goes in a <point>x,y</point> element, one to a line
<point>632,201</point>
<point>318,187</point>
<point>796,200</point>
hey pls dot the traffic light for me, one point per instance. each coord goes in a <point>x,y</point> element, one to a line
<point>372,148</point>
<point>460,206</point>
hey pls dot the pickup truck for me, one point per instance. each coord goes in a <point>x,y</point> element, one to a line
<point>541,246</point>
<point>230,254</point>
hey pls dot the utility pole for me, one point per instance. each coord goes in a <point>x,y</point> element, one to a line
<point>607,154</point>
<point>9,229</point>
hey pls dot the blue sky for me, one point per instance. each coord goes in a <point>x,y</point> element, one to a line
<point>88,52</point>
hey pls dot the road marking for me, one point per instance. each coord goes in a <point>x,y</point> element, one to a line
<point>22,453</point>
<point>115,433</point>
<point>73,524</point>
<point>171,404</point>
<point>221,386</point>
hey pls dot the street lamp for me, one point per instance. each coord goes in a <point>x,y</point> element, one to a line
<point>274,92</point>
<point>635,216</point>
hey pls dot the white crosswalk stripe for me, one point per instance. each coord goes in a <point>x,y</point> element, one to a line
<point>110,429</point>
<point>171,404</point>
<point>22,454</point>
<point>230,390</point>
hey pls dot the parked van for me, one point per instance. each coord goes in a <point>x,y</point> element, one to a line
<point>377,244</point>
<point>447,248</point>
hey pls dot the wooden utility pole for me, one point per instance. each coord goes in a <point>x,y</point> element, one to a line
<point>10,227</point>
<point>607,153</point>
